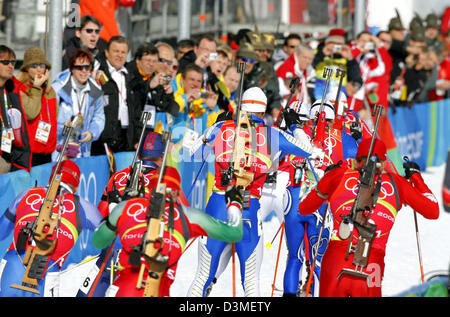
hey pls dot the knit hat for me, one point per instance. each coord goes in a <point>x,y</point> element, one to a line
<point>152,146</point>
<point>246,50</point>
<point>379,148</point>
<point>336,36</point>
<point>254,100</point>
<point>70,172</point>
<point>34,55</point>
<point>327,107</point>
<point>171,178</point>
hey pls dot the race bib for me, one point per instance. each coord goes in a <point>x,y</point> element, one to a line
<point>7,139</point>
<point>43,132</point>
<point>89,280</point>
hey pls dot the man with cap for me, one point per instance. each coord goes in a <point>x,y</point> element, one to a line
<point>74,214</point>
<point>15,151</point>
<point>150,154</point>
<point>39,103</point>
<point>335,52</point>
<point>432,28</point>
<point>339,188</point>
<point>268,145</point>
<point>128,220</point>
<point>260,74</point>
<point>304,236</point>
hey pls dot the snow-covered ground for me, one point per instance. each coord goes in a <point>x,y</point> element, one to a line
<point>402,261</point>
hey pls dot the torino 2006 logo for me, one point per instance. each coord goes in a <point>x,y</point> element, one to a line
<point>35,201</point>
<point>138,211</point>
<point>386,188</point>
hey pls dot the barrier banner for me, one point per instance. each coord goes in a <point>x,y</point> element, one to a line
<point>422,132</point>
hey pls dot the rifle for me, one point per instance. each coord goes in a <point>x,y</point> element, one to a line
<point>239,159</point>
<point>338,121</point>
<point>132,187</point>
<point>281,123</point>
<point>318,134</point>
<point>42,228</point>
<point>361,210</point>
<point>152,240</point>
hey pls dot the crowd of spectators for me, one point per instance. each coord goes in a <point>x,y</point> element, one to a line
<point>188,85</point>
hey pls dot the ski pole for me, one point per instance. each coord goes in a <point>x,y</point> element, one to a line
<point>233,249</point>
<point>97,278</point>
<point>278,258</point>
<point>418,247</point>
<point>269,244</point>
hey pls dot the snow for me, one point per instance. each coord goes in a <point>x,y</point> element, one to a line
<point>402,261</point>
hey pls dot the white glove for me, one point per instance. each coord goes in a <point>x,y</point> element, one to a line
<point>317,155</point>
<point>234,215</point>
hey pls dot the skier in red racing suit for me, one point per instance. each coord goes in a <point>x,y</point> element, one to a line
<point>339,188</point>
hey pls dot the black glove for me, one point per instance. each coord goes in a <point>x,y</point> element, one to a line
<point>291,117</point>
<point>333,166</point>
<point>233,195</point>
<point>113,195</point>
<point>356,131</point>
<point>411,168</point>
<point>224,116</point>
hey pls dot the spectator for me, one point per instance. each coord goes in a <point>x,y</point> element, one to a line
<point>15,150</point>
<point>443,80</point>
<point>79,95</point>
<point>232,79</point>
<point>216,81</point>
<point>367,52</point>
<point>193,101</point>
<point>432,27</point>
<point>39,103</point>
<point>290,43</point>
<point>431,64</point>
<point>87,37</point>
<point>184,46</point>
<point>397,49</point>
<point>200,55</point>
<point>335,52</point>
<point>160,99</point>
<point>298,65</point>
<point>269,44</point>
<point>261,75</point>
<point>121,117</point>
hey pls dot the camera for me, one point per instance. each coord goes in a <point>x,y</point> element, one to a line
<point>337,48</point>
<point>369,46</point>
<point>167,79</point>
<point>204,94</point>
<point>213,56</point>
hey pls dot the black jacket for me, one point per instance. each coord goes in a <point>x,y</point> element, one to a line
<point>20,157</point>
<point>73,44</point>
<point>113,135</point>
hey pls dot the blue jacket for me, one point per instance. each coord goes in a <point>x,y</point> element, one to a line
<point>93,116</point>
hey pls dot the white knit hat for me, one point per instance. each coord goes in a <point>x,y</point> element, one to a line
<point>254,100</point>
<point>327,107</point>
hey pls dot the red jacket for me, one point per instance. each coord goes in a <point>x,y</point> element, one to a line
<point>48,114</point>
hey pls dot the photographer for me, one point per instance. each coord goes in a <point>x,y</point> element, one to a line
<point>335,52</point>
<point>368,52</point>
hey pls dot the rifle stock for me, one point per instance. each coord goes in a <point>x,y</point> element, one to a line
<point>42,228</point>
<point>152,241</point>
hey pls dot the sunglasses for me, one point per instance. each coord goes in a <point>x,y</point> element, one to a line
<point>163,60</point>
<point>38,65</point>
<point>249,60</point>
<point>6,62</point>
<point>82,67</point>
<point>89,31</point>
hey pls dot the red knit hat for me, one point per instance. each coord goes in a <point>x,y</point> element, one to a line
<point>70,172</point>
<point>171,178</point>
<point>379,148</point>
<point>336,35</point>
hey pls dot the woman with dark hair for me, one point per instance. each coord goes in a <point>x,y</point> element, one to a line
<point>79,95</point>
